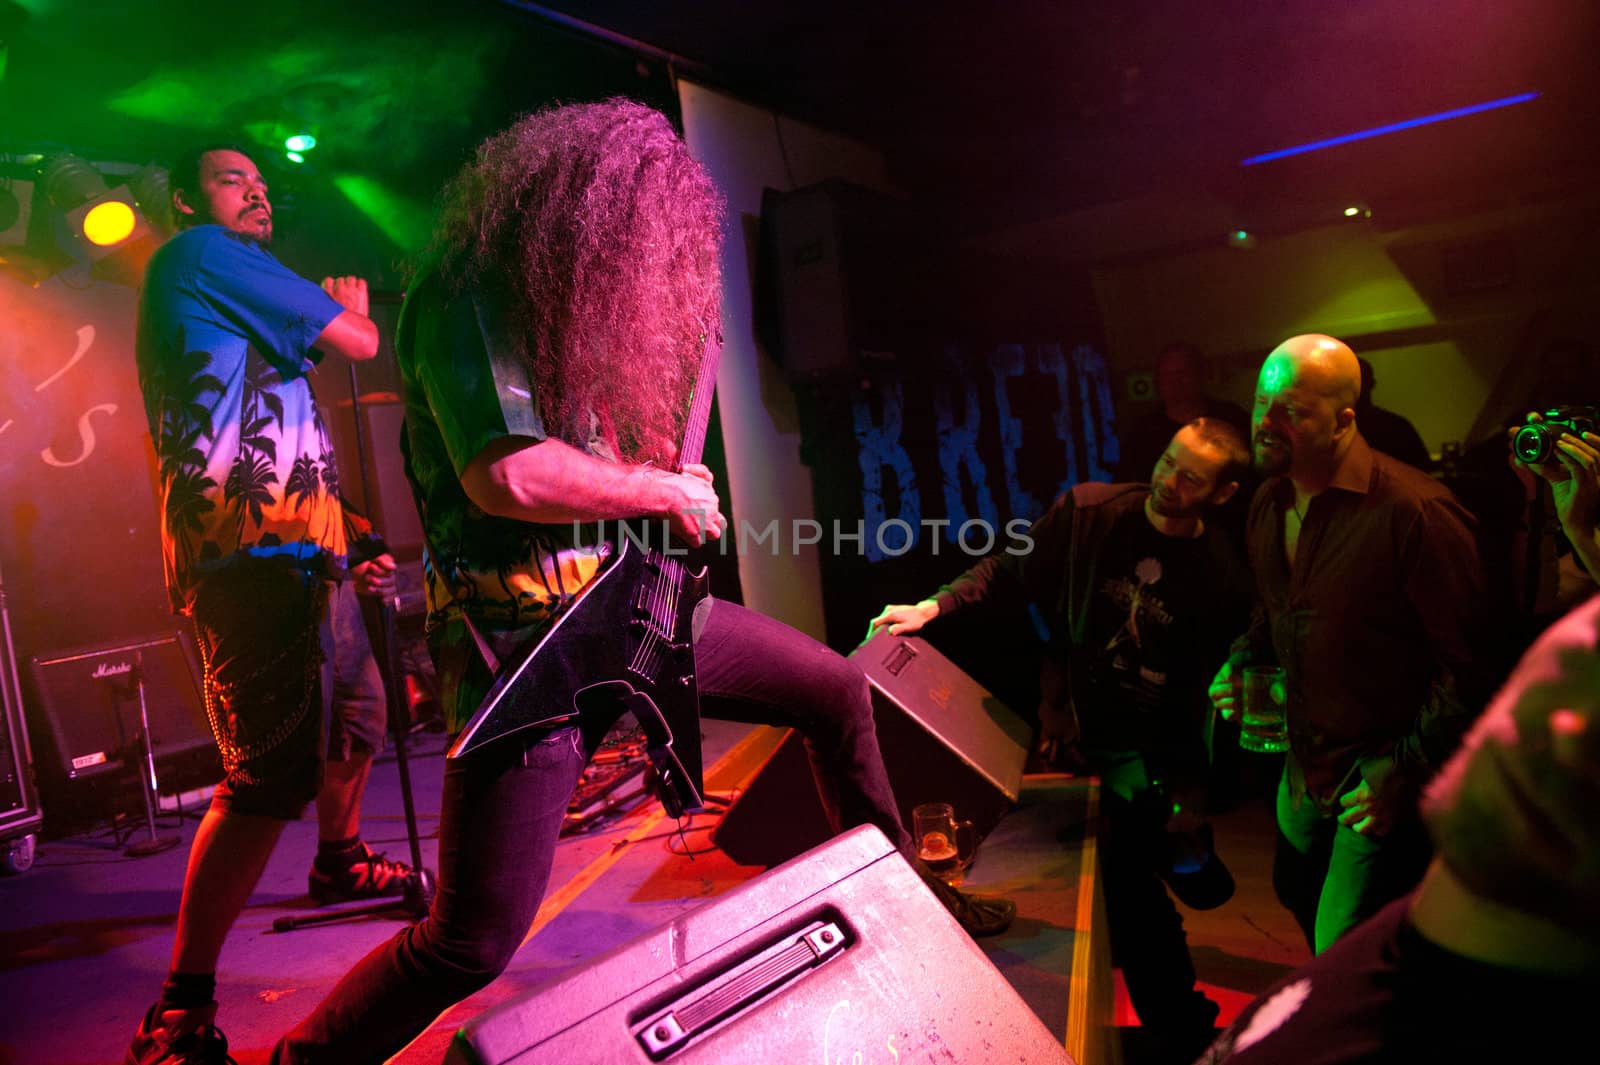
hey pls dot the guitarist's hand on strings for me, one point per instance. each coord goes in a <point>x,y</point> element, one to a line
<point>695,512</point>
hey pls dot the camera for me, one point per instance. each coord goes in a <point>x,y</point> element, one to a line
<point>1535,442</point>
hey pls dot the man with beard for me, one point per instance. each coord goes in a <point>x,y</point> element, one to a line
<point>1139,592</point>
<point>261,554</point>
<point>1496,955</point>
<point>1370,597</point>
<point>547,351</point>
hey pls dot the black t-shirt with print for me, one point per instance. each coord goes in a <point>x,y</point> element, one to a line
<point>1150,642</point>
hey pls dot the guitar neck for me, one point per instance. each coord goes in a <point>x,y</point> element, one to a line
<point>705,387</point>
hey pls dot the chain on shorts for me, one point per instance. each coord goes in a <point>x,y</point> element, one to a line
<point>234,754</point>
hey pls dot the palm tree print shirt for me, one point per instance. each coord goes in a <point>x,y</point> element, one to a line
<point>246,469</point>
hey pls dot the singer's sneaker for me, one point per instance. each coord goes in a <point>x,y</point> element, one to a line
<point>179,1037</point>
<point>370,876</point>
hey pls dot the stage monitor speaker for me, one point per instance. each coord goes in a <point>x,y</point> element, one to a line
<point>944,738</point>
<point>92,706</point>
<point>840,955</point>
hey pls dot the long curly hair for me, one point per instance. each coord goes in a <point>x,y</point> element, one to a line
<point>602,236</point>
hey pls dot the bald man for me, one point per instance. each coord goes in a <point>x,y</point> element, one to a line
<point>1370,596</point>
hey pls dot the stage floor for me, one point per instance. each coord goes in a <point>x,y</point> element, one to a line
<point>85,935</point>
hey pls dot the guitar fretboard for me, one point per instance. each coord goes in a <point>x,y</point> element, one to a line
<point>705,387</point>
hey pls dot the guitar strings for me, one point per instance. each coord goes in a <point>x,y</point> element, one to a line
<point>661,605</point>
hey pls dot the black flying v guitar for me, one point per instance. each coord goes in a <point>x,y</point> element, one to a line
<point>624,643</point>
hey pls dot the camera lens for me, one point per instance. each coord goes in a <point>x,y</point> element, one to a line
<point>1535,443</point>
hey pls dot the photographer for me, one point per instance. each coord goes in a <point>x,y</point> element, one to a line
<point>1571,467</point>
<point>1536,519</point>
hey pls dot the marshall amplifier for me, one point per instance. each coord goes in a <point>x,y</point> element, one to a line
<point>841,955</point>
<point>90,700</point>
<point>944,738</point>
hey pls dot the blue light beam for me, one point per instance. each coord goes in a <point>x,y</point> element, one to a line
<point>1393,127</point>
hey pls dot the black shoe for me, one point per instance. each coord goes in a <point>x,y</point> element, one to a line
<point>179,1037</point>
<point>978,915</point>
<point>371,876</point>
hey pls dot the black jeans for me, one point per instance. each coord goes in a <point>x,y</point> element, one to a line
<point>1147,939</point>
<point>501,815</point>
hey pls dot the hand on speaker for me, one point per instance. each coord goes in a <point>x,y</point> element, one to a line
<point>375,576</point>
<point>902,619</point>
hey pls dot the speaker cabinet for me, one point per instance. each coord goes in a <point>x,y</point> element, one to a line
<point>944,738</point>
<point>90,701</point>
<point>836,278</point>
<point>840,955</point>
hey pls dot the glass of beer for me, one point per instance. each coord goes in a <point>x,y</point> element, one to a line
<point>1262,727</point>
<point>940,839</point>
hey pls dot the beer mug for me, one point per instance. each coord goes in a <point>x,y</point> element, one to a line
<point>939,840</point>
<point>1262,727</point>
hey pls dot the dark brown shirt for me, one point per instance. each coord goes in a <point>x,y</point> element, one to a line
<point>1376,627</point>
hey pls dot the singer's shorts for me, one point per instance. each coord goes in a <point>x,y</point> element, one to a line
<point>258,627</point>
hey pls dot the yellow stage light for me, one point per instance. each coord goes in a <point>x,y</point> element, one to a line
<point>109,222</point>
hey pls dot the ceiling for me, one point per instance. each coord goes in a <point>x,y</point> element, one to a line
<point>994,116</point>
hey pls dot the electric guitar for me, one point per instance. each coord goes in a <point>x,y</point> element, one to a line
<point>624,643</point>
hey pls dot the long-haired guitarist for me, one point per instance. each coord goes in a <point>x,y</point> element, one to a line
<point>549,349</point>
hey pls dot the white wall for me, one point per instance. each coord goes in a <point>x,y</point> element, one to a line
<point>747,149</point>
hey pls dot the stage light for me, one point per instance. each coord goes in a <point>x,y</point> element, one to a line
<point>109,222</point>
<point>1241,238</point>
<point>300,142</point>
<point>10,208</point>
<point>100,225</point>
<point>152,191</point>
<point>1393,127</point>
<point>294,157</point>
<point>69,180</point>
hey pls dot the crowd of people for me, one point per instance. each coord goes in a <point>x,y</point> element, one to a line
<point>548,347</point>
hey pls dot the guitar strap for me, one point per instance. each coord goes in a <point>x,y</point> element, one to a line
<point>490,659</point>
<point>693,445</point>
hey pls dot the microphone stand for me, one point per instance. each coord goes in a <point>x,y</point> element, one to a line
<point>148,785</point>
<point>418,895</point>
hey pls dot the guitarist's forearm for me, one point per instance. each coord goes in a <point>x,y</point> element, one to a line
<point>551,482</point>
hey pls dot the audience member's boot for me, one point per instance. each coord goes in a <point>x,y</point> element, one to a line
<point>978,915</point>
